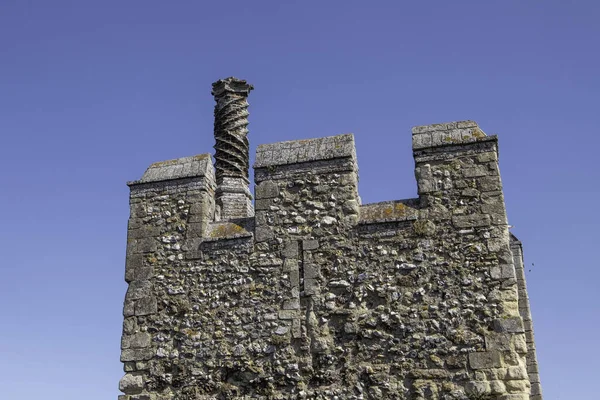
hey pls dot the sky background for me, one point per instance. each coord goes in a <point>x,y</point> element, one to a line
<point>92,92</point>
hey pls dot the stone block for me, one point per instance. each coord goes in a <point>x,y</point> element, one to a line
<point>533,369</point>
<point>311,287</point>
<point>509,325</point>
<point>262,204</point>
<point>128,308</point>
<point>421,140</point>
<point>477,388</point>
<point>144,245</point>
<point>471,221</point>
<point>296,329</point>
<point>143,397</point>
<point>266,190</point>
<point>290,264</point>
<point>195,229</point>
<point>534,378</point>
<point>497,387</point>
<point>287,314</point>
<point>136,354</point>
<point>518,386</point>
<point>514,396</point>
<point>516,372</point>
<point>496,272</point>
<point>143,273</point>
<point>498,341</point>
<point>508,271</point>
<point>132,263</point>
<point>291,304</point>
<point>131,384</point>
<point>475,171</point>
<point>312,271</point>
<point>263,233</point>
<point>310,244</point>
<point>466,124</point>
<point>487,157</point>
<point>489,183</point>
<point>130,325</point>
<point>138,340</point>
<point>138,289</point>
<point>290,250</point>
<point>146,306</point>
<point>294,278</point>
<point>485,359</point>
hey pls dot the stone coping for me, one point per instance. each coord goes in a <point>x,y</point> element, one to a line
<point>185,167</point>
<point>389,211</point>
<point>299,151</point>
<point>448,133</point>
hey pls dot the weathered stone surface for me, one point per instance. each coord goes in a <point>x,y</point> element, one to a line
<point>186,167</point>
<point>511,325</point>
<point>485,359</point>
<point>304,151</point>
<point>136,354</point>
<point>137,340</point>
<point>145,306</point>
<point>131,384</point>
<point>267,190</point>
<point>469,221</point>
<point>318,296</point>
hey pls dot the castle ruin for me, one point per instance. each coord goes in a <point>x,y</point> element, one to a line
<point>309,294</point>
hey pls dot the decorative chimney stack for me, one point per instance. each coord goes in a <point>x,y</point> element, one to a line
<point>233,198</point>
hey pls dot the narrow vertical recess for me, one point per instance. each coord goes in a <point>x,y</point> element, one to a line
<point>301,266</point>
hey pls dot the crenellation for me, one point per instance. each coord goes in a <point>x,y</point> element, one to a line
<point>307,293</point>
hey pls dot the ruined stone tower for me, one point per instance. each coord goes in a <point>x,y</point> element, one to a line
<point>310,294</point>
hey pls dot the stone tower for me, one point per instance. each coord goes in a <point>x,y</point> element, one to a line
<point>310,294</point>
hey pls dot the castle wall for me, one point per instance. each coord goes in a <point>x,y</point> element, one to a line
<point>318,296</point>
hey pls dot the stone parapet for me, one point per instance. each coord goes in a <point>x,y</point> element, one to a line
<point>314,295</point>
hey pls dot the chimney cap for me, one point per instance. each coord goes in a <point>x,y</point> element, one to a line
<point>231,85</point>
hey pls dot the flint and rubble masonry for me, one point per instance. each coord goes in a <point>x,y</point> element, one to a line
<point>316,296</point>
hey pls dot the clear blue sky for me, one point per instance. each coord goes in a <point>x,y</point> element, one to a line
<point>92,92</point>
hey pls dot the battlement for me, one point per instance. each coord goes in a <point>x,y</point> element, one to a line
<point>300,151</point>
<point>307,293</point>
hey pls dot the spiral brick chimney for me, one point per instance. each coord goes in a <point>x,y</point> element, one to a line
<point>233,198</point>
